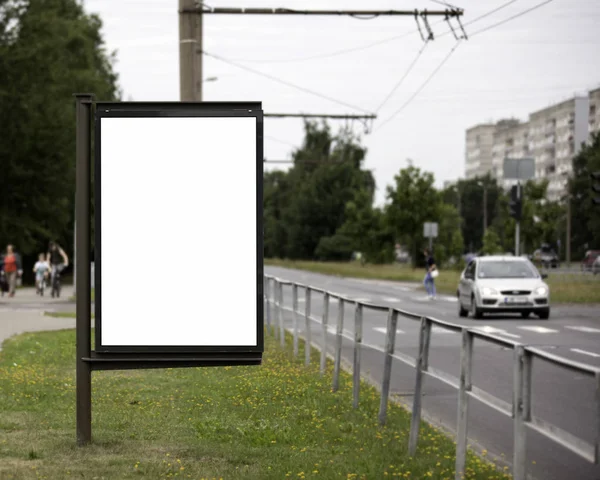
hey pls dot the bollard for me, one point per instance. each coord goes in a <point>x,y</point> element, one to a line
<point>390,342</point>
<point>338,345</point>
<point>324,327</point>
<point>358,324</point>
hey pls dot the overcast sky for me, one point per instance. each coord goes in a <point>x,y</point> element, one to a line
<point>540,58</point>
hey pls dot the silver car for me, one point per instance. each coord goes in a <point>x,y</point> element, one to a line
<point>502,284</point>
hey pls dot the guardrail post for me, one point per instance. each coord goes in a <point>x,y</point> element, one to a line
<point>324,327</point>
<point>466,363</point>
<point>358,327</point>
<point>277,309</point>
<point>597,449</point>
<point>281,330</point>
<point>307,346</point>
<point>295,316</point>
<point>422,362</point>
<point>339,329</point>
<point>521,410</point>
<point>390,343</point>
<point>268,306</point>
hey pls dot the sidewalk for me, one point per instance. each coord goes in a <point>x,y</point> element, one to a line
<point>25,312</point>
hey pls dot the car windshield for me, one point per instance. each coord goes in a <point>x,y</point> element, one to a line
<point>505,269</point>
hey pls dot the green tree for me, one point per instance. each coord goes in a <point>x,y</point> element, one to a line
<point>449,223</point>
<point>305,207</point>
<point>491,242</point>
<point>585,216</point>
<point>413,200</point>
<point>49,50</point>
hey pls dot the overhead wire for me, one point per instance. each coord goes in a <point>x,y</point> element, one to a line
<point>285,82</point>
<point>373,44</point>
<point>520,14</point>
<point>408,70</point>
<point>421,87</point>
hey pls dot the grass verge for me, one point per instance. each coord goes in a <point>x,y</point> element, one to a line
<point>279,420</point>
<point>62,314</point>
<point>564,287</point>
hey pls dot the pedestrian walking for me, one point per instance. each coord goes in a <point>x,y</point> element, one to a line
<point>431,273</point>
<point>12,269</point>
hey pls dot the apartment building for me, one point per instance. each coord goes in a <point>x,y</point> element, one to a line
<point>478,154</point>
<point>557,133</point>
<point>511,140</point>
<point>552,136</point>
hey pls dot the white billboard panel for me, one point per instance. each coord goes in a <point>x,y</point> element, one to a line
<point>178,231</point>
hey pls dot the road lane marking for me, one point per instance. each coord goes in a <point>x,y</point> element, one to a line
<point>584,329</point>
<point>538,329</point>
<point>443,330</point>
<point>391,299</point>
<point>585,352</point>
<point>499,331</point>
<point>384,330</point>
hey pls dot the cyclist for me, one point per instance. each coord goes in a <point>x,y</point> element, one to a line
<point>57,259</point>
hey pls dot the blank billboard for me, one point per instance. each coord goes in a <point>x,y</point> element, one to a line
<point>179,228</point>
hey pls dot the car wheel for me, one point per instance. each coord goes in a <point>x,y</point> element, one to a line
<point>525,314</point>
<point>475,311</point>
<point>544,314</point>
<point>461,310</point>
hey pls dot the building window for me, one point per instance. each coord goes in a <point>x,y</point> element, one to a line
<point>592,110</point>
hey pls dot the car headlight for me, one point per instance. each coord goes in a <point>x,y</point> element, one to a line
<point>541,291</point>
<point>488,291</point>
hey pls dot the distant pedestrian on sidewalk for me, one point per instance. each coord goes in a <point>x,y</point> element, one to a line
<point>12,269</point>
<point>429,281</point>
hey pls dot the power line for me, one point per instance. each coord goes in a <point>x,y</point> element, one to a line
<point>278,140</point>
<point>204,10</point>
<point>481,17</point>
<point>410,67</point>
<point>368,46</point>
<point>535,7</point>
<point>285,82</point>
<point>337,53</point>
<point>421,87</point>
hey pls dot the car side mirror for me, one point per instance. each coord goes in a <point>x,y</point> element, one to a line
<point>544,276</point>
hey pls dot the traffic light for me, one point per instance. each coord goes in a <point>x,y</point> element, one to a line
<point>515,205</point>
<point>595,186</point>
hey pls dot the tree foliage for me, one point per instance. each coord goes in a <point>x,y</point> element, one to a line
<point>585,221</point>
<point>49,50</point>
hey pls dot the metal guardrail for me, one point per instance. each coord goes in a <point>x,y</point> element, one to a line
<point>519,410</point>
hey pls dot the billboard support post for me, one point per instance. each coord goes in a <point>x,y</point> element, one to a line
<point>83,147</point>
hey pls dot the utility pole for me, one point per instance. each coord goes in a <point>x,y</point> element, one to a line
<point>516,208</point>
<point>190,48</point>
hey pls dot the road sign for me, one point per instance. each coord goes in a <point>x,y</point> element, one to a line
<point>430,230</point>
<point>519,169</point>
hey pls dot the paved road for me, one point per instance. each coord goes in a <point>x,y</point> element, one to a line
<point>559,396</point>
<point>25,312</point>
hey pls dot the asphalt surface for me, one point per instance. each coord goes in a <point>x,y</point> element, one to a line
<point>559,396</point>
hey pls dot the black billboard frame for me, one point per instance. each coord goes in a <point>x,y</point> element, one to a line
<point>178,110</point>
<point>88,114</point>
